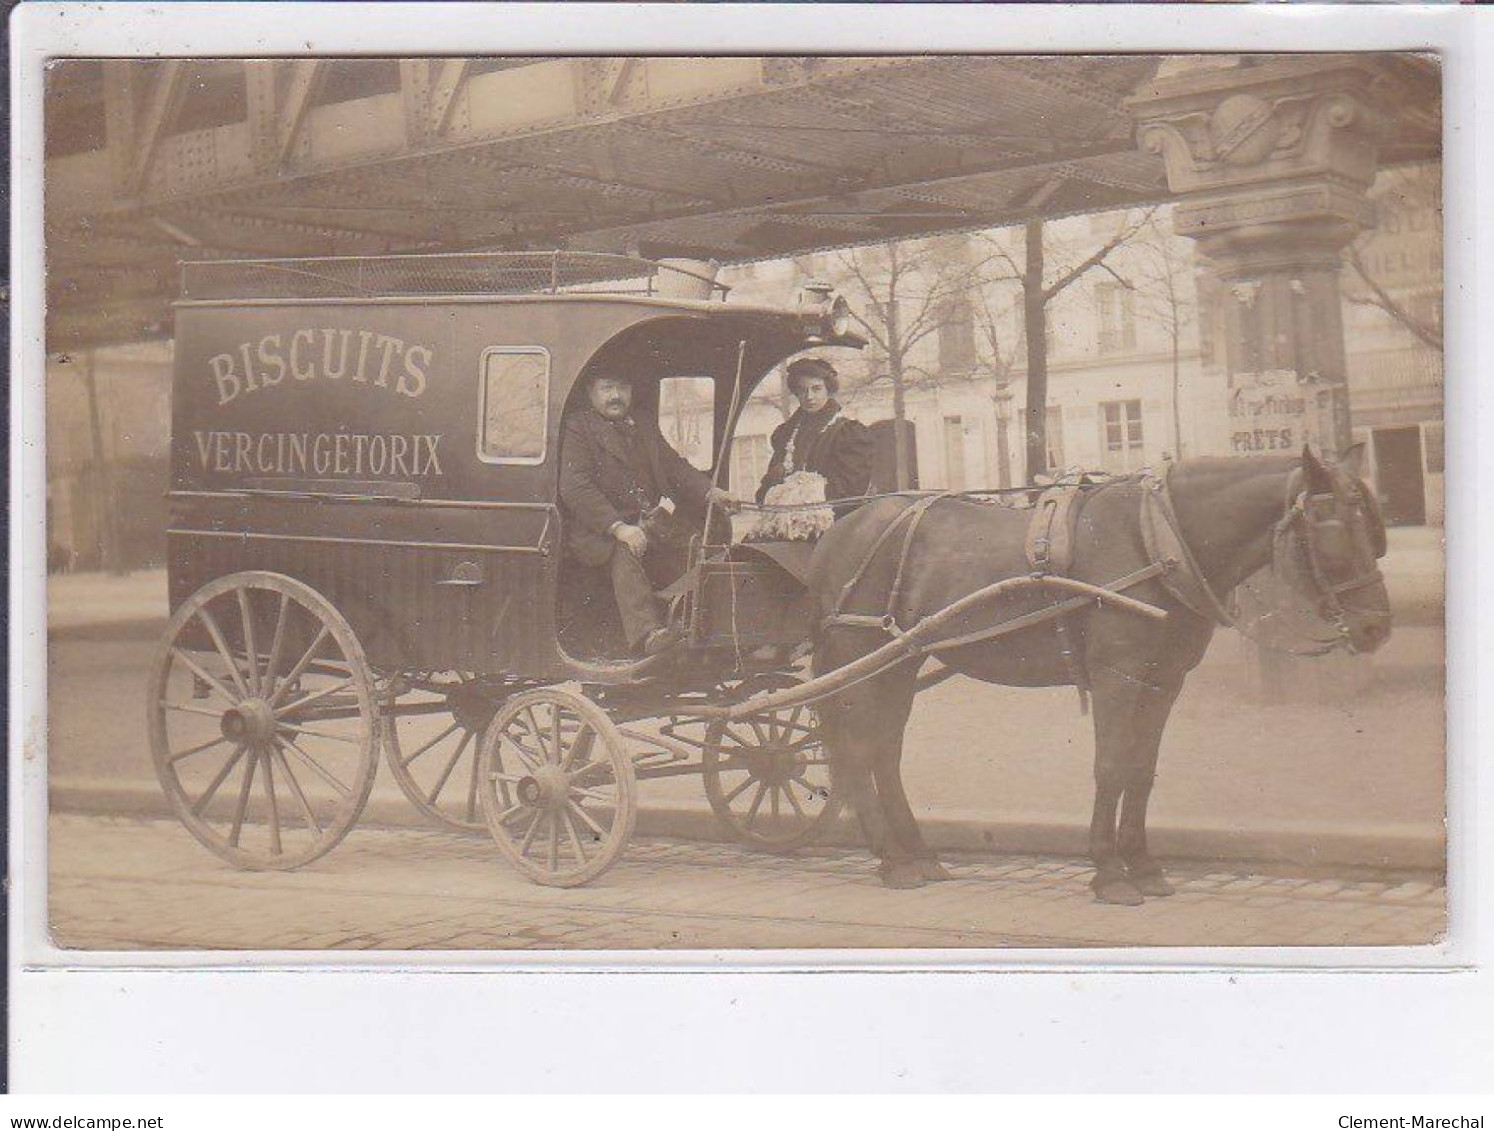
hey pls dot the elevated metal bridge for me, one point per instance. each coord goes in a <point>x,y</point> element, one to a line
<point>153,162</point>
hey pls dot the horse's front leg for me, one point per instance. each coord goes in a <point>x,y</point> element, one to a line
<point>1115,696</point>
<point>1152,711</point>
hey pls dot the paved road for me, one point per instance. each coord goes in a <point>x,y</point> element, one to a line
<point>137,884</point>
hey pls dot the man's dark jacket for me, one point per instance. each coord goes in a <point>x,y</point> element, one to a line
<point>612,472</point>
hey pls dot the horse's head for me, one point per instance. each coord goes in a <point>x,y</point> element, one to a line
<point>1327,544</point>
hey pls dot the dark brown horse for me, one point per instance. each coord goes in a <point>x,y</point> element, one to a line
<point>1314,521</point>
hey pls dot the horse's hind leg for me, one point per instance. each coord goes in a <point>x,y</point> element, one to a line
<point>895,699</point>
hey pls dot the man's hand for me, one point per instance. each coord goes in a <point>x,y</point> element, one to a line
<point>632,537</point>
<point>719,496</point>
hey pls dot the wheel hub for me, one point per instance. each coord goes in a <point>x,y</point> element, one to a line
<point>547,787</point>
<point>250,721</point>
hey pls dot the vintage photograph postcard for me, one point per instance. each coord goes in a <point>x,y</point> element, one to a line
<point>928,502</point>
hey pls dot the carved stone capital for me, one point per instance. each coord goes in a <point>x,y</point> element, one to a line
<point>1293,118</point>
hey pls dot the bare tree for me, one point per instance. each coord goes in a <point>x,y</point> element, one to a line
<point>1416,188</point>
<point>1037,293</point>
<point>900,293</point>
<point>1161,282</point>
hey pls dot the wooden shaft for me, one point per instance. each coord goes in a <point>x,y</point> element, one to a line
<point>916,640</point>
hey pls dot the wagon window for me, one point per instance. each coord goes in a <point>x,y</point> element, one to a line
<point>515,395</point>
<point>687,417</point>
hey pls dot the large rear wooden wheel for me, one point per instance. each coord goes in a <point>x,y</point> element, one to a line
<point>432,751</point>
<point>767,777</point>
<point>557,787</point>
<point>263,720</point>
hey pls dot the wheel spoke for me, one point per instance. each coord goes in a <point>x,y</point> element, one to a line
<point>316,767</point>
<point>273,660</point>
<point>296,728</point>
<point>295,672</point>
<point>187,708</point>
<point>295,787</point>
<point>252,762</point>
<point>529,833</point>
<point>553,853</point>
<point>251,653</point>
<point>450,765</point>
<point>228,764</point>
<point>593,795</point>
<point>406,762</point>
<point>560,750</point>
<point>472,783</point>
<point>773,801</point>
<point>757,801</point>
<point>539,737</point>
<point>198,749</point>
<point>531,761</point>
<point>570,832</point>
<point>794,801</point>
<point>307,700</point>
<point>511,812</point>
<point>584,737</point>
<point>222,645</point>
<point>741,789</point>
<point>274,807</point>
<point>203,674</point>
<point>586,817</point>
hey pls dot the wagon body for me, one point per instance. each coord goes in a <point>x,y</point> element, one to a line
<point>398,451</point>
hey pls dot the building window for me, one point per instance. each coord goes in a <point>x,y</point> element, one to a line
<point>1116,316</point>
<point>954,453</point>
<point>956,337</point>
<point>1053,426</point>
<point>749,463</point>
<point>687,417</point>
<point>515,393</point>
<point>1121,437</point>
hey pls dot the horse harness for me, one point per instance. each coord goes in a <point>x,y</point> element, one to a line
<point>1049,544</point>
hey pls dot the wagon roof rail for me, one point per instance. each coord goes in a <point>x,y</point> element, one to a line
<point>463,273</point>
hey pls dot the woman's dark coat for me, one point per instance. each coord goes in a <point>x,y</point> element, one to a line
<point>826,442</point>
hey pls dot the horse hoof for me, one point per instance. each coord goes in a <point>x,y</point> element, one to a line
<point>902,876</point>
<point>934,872</point>
<point>1152,883</point>
<point>1119,891</point>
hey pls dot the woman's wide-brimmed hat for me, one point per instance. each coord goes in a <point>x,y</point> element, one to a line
<point>806,367</point>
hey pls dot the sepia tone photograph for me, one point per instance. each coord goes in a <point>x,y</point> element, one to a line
<point>892,503</point>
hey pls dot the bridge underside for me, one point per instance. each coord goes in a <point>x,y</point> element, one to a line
<point>154,162</point>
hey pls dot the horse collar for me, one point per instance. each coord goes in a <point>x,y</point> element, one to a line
<point>1165,543</point>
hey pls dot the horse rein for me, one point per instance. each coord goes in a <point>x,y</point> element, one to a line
<point>1299,506</point>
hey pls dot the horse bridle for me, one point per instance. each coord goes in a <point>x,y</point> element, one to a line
<point>1301,502</point>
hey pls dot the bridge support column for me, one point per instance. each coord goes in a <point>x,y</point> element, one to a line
<point>1270,162</point>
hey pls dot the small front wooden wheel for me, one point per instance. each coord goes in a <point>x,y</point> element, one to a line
<point>264,726</point>
<point>557,787</point>
<point>767,777</point>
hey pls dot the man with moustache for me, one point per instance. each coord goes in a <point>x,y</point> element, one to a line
<point>616,473</point>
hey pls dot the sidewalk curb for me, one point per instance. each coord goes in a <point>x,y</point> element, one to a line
<point>1407,847</point>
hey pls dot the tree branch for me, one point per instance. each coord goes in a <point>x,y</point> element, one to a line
<point>1096,259</point>
<point>1430,335</point>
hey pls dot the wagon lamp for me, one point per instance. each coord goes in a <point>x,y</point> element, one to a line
<point>826,314</point>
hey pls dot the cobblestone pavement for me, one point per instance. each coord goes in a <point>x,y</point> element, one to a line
<point>119,883</point>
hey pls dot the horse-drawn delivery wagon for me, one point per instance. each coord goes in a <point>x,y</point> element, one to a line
<point>365,558</point>
<point>365,552</point>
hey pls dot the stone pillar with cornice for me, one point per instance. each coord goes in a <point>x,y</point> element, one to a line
<point>1270,161</point>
